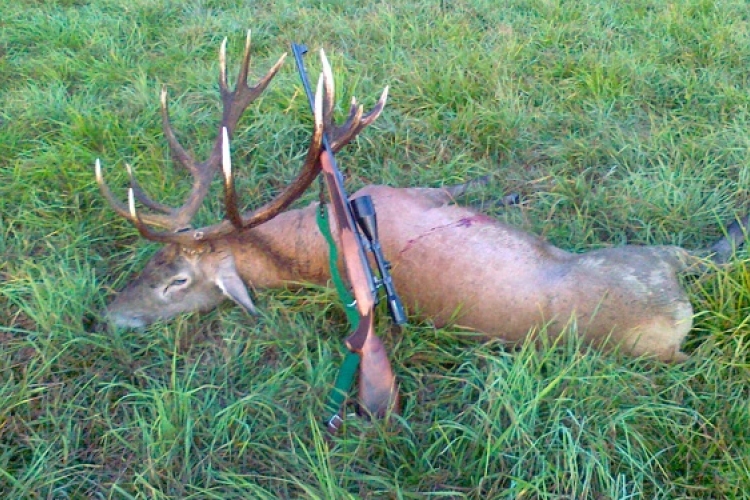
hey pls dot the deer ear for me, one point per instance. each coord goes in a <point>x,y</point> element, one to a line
<point>232,286</point>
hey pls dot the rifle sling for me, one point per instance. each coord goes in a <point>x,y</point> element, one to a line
<point>345,378</point>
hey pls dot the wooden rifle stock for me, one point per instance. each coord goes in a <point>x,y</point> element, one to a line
<point>355,261</point>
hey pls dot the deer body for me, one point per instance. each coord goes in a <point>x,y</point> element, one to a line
<point>449,263</point>
<point>453,264</point>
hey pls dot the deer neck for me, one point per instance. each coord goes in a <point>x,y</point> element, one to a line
<point>286,250</point>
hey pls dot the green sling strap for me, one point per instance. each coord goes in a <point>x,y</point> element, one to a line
<point>345,377</point>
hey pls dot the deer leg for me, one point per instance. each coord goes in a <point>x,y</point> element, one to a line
<point>458,190</point>
<point>721,251</point>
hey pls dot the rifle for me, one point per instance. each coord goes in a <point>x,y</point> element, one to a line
<point>377,385</point>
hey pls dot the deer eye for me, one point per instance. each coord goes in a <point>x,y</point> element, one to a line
<point>178,282</point>
<point>175,284</point>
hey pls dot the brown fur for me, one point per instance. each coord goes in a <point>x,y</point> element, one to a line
<point>450,263</point>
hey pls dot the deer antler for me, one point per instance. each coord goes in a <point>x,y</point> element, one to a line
<point>177,220</point>
<point>235,102</point>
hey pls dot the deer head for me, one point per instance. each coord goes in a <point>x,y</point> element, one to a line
<point>196,269</point>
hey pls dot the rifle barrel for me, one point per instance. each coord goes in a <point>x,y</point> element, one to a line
<point>299,50</point>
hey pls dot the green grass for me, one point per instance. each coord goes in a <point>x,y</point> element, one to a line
<point>619,122</point>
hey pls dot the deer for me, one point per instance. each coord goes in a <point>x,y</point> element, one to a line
<point>451,264</point>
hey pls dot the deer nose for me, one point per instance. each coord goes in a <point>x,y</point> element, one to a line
<point>118,319</point>
<point>102,323</point>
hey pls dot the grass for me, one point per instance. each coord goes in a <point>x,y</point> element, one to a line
<point>618,123</point>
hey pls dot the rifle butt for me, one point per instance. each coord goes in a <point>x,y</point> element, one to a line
<point>378,391</point>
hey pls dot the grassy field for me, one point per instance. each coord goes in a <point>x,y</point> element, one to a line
<point>618,122</point>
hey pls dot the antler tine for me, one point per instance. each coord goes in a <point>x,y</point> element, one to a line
<point>340,136</point>
<point>223,87</point>
<point>245,67</point>
<point>142,227</point>
<point>230,195</point>
<point>375,112</point>
<point>329,92</point>
<point>121,209</point>
<point>178,152</point>
<point>141,195</point>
